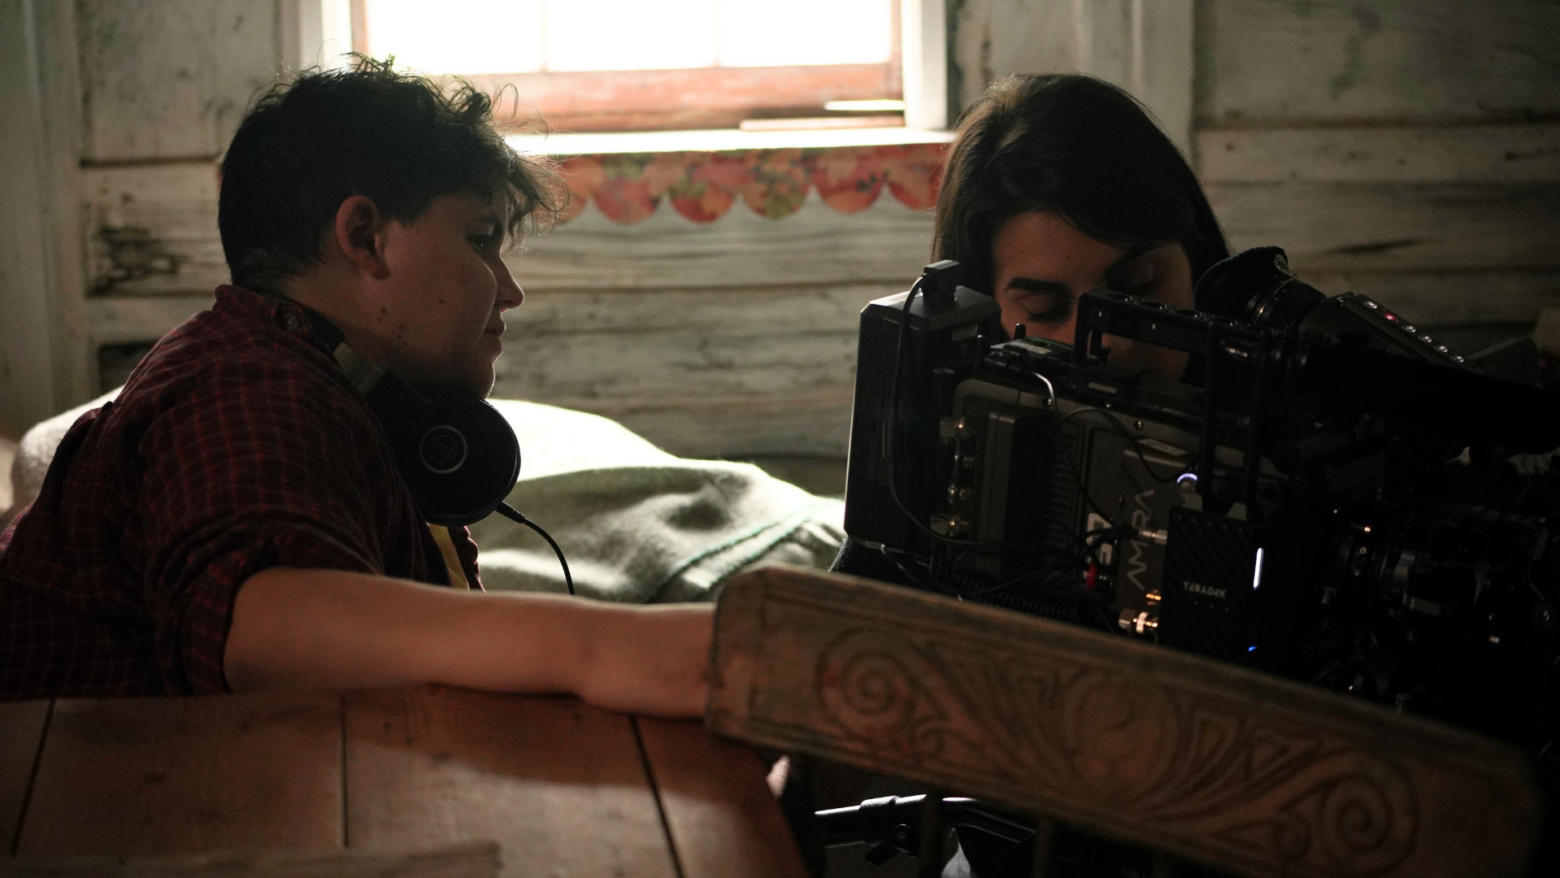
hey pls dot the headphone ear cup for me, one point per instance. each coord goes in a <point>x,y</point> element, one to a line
<point>459,457</point>
<point>463,461</point>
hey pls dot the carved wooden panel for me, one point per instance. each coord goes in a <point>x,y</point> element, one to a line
<point>1208,761</point>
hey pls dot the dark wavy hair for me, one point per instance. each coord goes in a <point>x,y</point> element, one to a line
<point>308,144</point>
<point>1076,146</point>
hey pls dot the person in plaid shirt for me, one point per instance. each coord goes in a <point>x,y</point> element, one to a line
<point>235,519</point>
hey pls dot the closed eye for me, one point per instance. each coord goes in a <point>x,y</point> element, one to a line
<point>1051,309</point>
<point>1043,301</point>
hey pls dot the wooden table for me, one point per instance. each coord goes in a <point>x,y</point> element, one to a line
<point>563,788</point>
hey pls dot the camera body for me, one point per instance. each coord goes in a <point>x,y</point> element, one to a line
<point>1326,498</point>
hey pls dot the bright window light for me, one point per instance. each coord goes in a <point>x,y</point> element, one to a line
<point>457,36</point>
<point>526,36</point>
<point>767,33</point>
<point>630,34</point>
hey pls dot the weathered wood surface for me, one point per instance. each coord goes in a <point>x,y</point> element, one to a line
<point>474,860</point>
<point>1145,47</point>
<point>152,776</point>
<point>816,245</point>
<point>738,337</point>
<point>27,391</point>
<point>1461,154</point>
<point>419,782</point>
<point>21,734</point>
<point>59,79</point>
<point>152,229</point>
<point>1272,63</point>
<point>1386,227</point>
<point>558,784</point>
<point>171,80</point>
<point>722,817</point>
<point>1205,760</point>
<point>741,359</point>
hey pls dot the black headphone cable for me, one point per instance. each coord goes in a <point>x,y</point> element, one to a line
<point>516,516</point>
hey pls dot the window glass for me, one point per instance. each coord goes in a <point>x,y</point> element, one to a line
<point>764,33</point>
<point>465,36</point>
<point>630,34</point>
<point>526,36</point>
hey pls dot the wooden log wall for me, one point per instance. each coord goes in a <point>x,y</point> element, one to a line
<point>728,339</point>
<point>1416,142</point>
<point>1409,149</point>
<point>1406,149</point>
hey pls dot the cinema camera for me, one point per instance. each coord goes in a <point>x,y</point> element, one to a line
<point>1328,495</point>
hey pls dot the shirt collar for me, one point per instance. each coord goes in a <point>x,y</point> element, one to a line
<point>317,328</point>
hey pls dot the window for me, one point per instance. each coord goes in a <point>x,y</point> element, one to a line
<point>625,65</point>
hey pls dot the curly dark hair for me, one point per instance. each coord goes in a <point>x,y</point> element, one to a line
<point>1079,147</point>
<point>401,139</point>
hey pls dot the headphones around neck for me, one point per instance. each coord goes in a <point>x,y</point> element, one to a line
<point>459,456</point>
<point>457,453</point>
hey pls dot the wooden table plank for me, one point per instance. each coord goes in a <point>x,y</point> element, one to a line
<point>474,860</point>
<point>150,776</point>
<point>558,784</point>
<point>21,733</point>
<point>722,817</point>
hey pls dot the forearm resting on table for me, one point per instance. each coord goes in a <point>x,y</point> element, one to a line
<point>330,629</point>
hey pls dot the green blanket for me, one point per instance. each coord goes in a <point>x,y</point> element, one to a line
<point>639,524</point>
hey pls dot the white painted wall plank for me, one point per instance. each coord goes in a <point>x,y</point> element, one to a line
<point>152,230</point>
<point>1354,226</point>
<point>59,79</point>
<point>1380,227</point>
<point>816,245</point>
<point>171,79</point>
<point>1275,63</point>
<point>779,310</point>
<point>1164,65</point>
<point>990,39</point>
<point>26,376</point>
<point>1461,154</point>
<point>677,364</point>
<point>735,428</point>
<point>1144,46</point>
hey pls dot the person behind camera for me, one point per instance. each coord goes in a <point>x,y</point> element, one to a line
<point>1059,185</point>
<point>235,520</point>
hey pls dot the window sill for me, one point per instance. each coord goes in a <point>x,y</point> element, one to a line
<point>719,140</point>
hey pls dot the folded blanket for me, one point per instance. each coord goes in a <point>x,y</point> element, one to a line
<point>636,523</point>
<point>639,524</point>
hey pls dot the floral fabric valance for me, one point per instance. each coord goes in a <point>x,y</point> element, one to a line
<point>703,186</point>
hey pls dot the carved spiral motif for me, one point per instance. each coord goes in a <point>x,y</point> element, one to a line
<point>868,690</point>
<point>1126,745</point>
<point>1365,825</point>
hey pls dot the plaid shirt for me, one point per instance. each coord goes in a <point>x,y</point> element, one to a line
<point>238,444</point>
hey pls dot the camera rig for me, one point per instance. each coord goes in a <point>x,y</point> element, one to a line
<point>1326,495</point>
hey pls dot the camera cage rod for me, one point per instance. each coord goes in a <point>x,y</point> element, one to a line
<point>1202,335</point>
